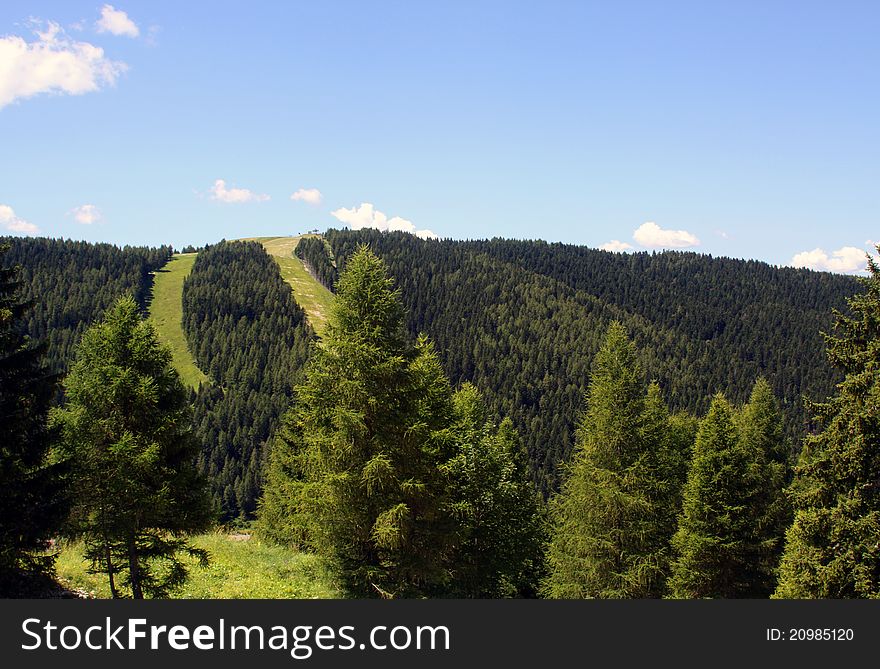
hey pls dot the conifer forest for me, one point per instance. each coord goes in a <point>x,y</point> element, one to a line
<point>476,419</point>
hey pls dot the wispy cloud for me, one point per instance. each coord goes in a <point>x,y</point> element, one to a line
<point>616,245</point>
<point>86,214</point>
<point>13,223</point>
<point>116,22</point>
<point>652,235</point>
<point>310,195</point>
<point>221,193</point>
<point>845,260</point>
<point>53,64</point>
<point>366,216</point>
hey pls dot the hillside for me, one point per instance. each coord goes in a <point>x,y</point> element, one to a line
<point>72,283</point>
<point>522,321</point>
<point>248,333</point>
<point>313,297</point>
<point>166,314</point>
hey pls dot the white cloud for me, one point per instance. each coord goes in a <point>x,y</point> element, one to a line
<point>235,195</point>
<point>653,236</point>
<point>311,195</point>
<point>116,22</point>
<point>13,223</point>
<point>615,245</point>
<point>366,216</point>
<point>86,214</point>
<point>52,64</point>
<point>845,260</point>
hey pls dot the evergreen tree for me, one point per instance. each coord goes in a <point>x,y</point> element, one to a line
<point>761,434</point>
<point>34,503</point>
<point>601,544</point>
<point>127,431</point>
<point>284,514</point>
<point>662,468</point>
<point>496,507</point>
<point>832,548</point>
<point>720,550</point>
<point>373,418</point>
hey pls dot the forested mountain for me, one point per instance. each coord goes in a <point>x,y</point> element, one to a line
<point>72,283</point>
<point>505,316</point>
<point>248,334</point>
<point>519,319</point>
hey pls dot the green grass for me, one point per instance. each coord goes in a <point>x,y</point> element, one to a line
<point>166,313</point>
<point>309,293</point>
<point>251,569</point>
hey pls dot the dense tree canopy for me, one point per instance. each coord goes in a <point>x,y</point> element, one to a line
<point>249,335</point>
<point>33,491</point>
<point>72,283</point>
<point>523,320</point>
<point>832,548</point>
<point>316,256</point>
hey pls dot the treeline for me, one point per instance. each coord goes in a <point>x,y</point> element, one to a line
<point>314,253</point>
<point>526,335</point>
<point>72,283</point>
<point>409,488</point>
<point>660,505</point>
<point>249,335</point>
<point>767,319</point>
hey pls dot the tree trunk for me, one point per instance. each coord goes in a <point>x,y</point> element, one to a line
<point>113,592</point>
<point>134,569</point>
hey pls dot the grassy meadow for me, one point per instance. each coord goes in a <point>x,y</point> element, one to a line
<point>241,566</point>
<point>166,313</point>
<point>309,293</point>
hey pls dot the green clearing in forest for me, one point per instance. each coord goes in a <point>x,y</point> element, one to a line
<point>309,293</point>
<point>241,567</point>
<point>166,314</point>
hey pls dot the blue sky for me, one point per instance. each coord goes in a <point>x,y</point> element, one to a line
<point>745,129</point>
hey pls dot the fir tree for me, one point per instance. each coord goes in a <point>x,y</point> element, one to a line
<point>833,546</point>
<point>720,551</point>
<point>761,434</point>
<point>602,521</point>
<point>496,507</point>
<point>34,500</point>
<point>373,417</point>
<point>127,431</point>
<point>662,470</point>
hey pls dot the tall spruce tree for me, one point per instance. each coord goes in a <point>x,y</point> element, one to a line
<point>371,422</point>
<point>720,549</point>
<point>761,434</point>
<point>833,546</point>
<point>34,500</point>
<point>496,507</point>
<point>606,529</point>
<point>127,432</point>
<point>663,465</point>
